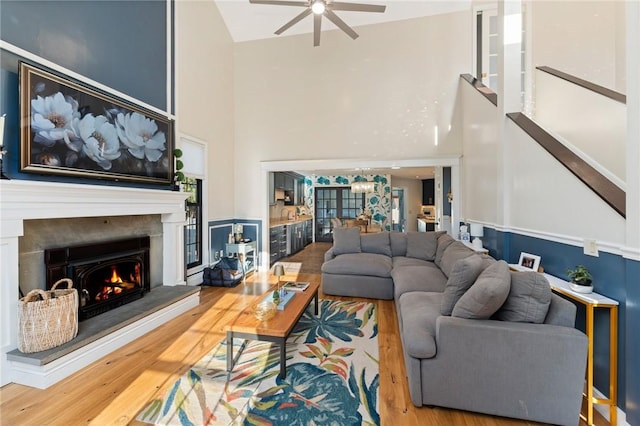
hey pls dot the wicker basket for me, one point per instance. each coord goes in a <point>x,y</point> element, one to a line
<point>47,319</point>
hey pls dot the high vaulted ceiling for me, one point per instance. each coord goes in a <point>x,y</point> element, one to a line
<point>247,21</point>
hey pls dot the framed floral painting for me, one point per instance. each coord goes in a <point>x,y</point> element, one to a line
<point>69,128</point>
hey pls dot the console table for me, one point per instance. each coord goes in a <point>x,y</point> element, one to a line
<point>591,301</point>
<point>246,253</point>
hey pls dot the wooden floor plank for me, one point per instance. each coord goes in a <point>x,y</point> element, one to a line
<point>114,389</point>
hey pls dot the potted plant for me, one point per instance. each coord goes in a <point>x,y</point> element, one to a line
<point>179,176</point>
<point>580,279</point>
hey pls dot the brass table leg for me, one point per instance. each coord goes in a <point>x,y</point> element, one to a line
<point>613,365</point>
<point>590,366</point>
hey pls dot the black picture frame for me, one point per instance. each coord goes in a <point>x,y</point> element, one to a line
<point>70,128</point>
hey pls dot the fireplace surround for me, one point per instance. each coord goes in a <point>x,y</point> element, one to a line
<point>23,201</point>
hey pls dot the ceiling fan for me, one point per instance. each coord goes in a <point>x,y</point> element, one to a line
<point>321,8</point>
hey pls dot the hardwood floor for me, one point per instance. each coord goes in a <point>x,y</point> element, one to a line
<point>113,390</point>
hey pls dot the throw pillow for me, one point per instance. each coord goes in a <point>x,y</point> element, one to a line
<point>376,243</point>
<point>454,252</point>
<point>346,240</point>
<point>398,243</point>
<point>487,294</point>
<point>422,245</point>
<point>444,241</point>
<point>463,274</point>
<point>529,299</point>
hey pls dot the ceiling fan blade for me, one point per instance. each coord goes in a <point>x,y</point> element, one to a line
<point>280,3</point>
<point>317,22</point>
<point>340,24</point>
<point>293,22</point>
<point>357,7</point>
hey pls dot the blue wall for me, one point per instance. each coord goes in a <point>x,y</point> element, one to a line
<point>121,44</point>
<point>219,234</point>
<point>614,277</point>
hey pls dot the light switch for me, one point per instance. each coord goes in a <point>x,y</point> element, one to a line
<point>591,248</point>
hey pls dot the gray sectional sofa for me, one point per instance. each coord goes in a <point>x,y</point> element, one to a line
<point>475,335</point>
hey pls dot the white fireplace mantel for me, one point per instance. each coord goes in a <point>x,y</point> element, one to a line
<point>22,200</point>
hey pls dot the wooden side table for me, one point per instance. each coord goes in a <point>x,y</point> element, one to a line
<point>591,301</point>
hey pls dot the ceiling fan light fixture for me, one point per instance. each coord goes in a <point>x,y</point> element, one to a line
<point>318,7</point>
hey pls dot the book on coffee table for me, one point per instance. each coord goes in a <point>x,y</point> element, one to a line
<point>295,286</point>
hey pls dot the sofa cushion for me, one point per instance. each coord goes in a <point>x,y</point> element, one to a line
<point>376,243</point>
<point>398,243</point>
<point>487,294</point>
<point>528,300</point>
<point>417,278</point>
<point>463,275</point>
<point>401,261</point>
<point>419,311</point>
<point>422,245</point>
<point>371,264</point>
<point>346,240</point>
<point>444,241</point>
<point>452,254</point>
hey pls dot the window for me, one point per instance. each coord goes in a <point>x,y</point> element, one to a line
<point>193,228</point>
<point>333,203</point>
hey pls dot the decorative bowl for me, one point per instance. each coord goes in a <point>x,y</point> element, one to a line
<point>264,310</point>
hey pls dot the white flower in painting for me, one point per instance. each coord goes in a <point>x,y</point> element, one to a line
<point>51,119</point>
<point>100,140</point>
<point>141,136</point>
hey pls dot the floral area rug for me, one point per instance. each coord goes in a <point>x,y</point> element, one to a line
<point>332,377</point>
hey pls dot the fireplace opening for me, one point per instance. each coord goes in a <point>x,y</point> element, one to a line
<point>106,275</point>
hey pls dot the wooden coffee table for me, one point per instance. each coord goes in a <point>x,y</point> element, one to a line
<point>276,329</point>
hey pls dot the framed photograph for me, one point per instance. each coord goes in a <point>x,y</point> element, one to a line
<point>69,128</point>
<point>529,262</point>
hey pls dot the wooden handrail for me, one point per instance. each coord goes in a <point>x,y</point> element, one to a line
<point>611,94</point>
<point>484,90</point>
<point>603,187</point>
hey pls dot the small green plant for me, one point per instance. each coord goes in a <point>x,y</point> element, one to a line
<point>177,153</point>
<point>580,275</point>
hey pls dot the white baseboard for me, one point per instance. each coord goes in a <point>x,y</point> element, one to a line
<point>43,376</point>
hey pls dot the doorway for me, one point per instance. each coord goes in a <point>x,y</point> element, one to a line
<point>335,203</point>
<point>398,211</point>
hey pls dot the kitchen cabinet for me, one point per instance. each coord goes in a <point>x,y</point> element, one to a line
<point>296,237</point>
<point>428,192</point>
<point>308,232</point>
<point>277,243</point>
<point>299,193</point>
<point>284,181</point>
<point>424,225</point>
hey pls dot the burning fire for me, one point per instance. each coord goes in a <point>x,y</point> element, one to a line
<point>115,285</point>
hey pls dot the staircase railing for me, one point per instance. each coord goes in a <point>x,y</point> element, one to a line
<point>596,181</point>
<point>608,191</point>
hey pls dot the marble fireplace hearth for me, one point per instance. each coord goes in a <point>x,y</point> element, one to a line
<point>24,203</point>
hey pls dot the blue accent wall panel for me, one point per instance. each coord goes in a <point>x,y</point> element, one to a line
<point>633,343</point>
<point>122,44</point>
<point>609,279</point>
<point>219,234</point>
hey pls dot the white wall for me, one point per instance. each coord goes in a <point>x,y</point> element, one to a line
<point>592,123</point>
<point>378,97</point>
<point>412,199</point>
<point>583,38</point>
<point>480,161</point>
<point>546,197</point>
<point>204,96</point>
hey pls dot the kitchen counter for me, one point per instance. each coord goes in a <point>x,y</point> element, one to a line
<point>280,222</point>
